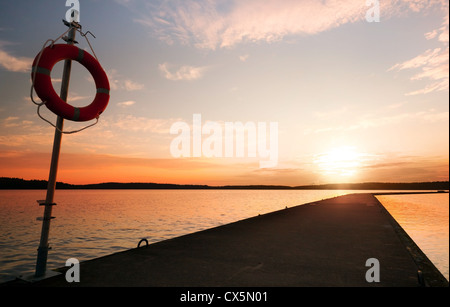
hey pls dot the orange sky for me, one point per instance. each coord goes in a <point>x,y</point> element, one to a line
<point>84,169</point>
<point>353,100</point>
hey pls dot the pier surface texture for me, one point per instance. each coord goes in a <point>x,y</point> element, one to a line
<point>320,244</point>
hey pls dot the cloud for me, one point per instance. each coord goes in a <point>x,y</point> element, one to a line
<point>212,24</point>
<point>74,97</point>
<point>22,134</point>
<point>431,34</point>
<point>428,56</point>
<point>143,124</point>
<point>131,86</point>
<point>15,122</point>
<point>15,64</point>
<point>118,82</point>
<point>443,36</point>
<point>208,25</point>
<point>126,103</point>
<point>406,168</point>
<point>123,2</point>
<point>244,58</point>
<point>417,5</point>
<point>10,122</point>
<point>433,65</point>
<point>188,73</point>
<point>429,116</point>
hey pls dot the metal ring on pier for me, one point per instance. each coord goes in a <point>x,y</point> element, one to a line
<point>421,278</point>
<point>143,240</point>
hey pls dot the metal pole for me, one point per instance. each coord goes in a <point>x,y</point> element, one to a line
<point>41,263</point>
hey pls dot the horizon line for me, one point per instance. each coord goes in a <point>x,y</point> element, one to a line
<point>260,186</point>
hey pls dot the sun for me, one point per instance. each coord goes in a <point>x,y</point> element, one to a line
<point>339,163</point>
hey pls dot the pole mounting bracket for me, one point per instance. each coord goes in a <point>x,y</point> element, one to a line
<point>69,40</point>
<point>72,24</point>
<point>44,203</point>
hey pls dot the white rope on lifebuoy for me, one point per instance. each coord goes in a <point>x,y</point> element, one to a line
<point>35,71</point>
<point>38,59</point>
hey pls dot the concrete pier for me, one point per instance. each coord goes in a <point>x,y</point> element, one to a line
<point>321,244</point>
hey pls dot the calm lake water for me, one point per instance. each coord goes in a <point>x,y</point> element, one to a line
<point>425,218</point>
<point>94,223</point>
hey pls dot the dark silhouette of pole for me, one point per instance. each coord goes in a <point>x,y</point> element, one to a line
<point>41,263</point>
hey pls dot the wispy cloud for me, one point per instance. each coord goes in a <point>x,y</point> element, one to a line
<point>213,24</point>
<point>21,133</point>
<point>441,33</point>
<point>119,82</point>
<point>433,65</point>
<point>13,63</point>
<point>131,86</point>
<point>75,97</point>
<point>367,122</point>
<point>124,2</point>
<point>11,121</point>
<point>244,58</point>
<point>207,24</point>
<point>182,73</point>
<point>143,124</point>
<point>399,167</point>
<point>126,103</point>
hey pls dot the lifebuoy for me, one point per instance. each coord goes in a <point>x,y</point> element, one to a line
<point>41,76</point>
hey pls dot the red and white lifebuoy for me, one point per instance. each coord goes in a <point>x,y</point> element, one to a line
<point>41,72</point>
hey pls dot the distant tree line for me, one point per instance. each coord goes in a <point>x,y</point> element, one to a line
<point>21,184</point>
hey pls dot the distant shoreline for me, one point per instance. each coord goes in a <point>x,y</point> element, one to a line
<point>21,184</point>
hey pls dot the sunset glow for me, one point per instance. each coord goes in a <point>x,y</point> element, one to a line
<point>353,98</point>
<point>339,162</point>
